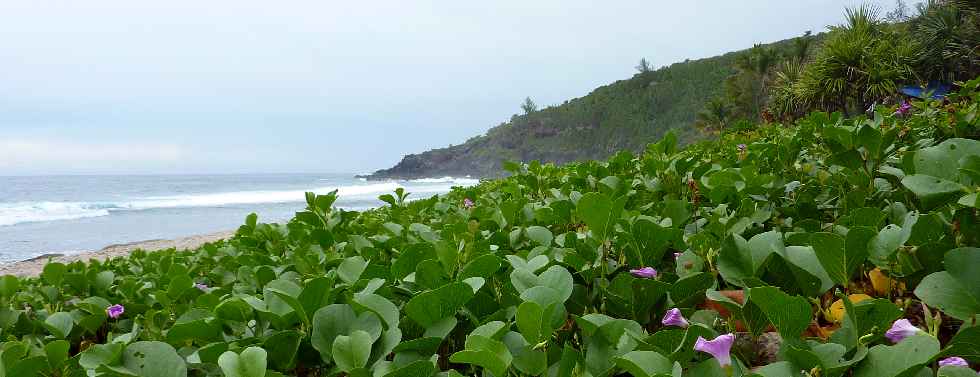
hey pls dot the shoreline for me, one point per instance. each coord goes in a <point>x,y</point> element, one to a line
<point>34,266</point>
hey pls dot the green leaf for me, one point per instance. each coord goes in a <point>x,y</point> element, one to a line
<point>9,285</point>
<point>488,353</point>
<point>830,250</point>
<point>532,321</point>
<point>652,240</point>
<point>600,213</point>
<point>178,285</point>
<point>540,235</point>
<point>101,354</point>
<point>964,265</point>
<point>644,363</point>
<point>351,268</point>
<point>965,344</point>
<point>352,352</point>
<point>941,290</point>
<point>233,309</point>
<point>943,160</point>
<point>154,359</point>
<point>57,353</point>
<point>53,273</point>
<point>418,368</point>
<point>384,308</point>
<point>282,348</point>
<point>889,361</point>
<point>790,314</point>
<point>428,308</point>
<point>483,266</point>
<point>933,191</point>
<point>777,369</point>
<point>690,290</point>
<point>250,363</point>
<point>59,324</point>
<point>954,371</point>
<point>334,320</point>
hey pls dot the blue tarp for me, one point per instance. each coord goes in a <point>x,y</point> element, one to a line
<point>936,90</point>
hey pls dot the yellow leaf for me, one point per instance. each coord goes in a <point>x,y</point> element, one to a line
<point>881,283</point>
<point>836,311</point>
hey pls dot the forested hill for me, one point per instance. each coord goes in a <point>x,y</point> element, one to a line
<point>624,115</point>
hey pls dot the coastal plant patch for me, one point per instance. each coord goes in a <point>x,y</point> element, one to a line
<point>830,247</point>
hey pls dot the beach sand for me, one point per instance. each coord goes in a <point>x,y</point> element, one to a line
<point>34,266</point>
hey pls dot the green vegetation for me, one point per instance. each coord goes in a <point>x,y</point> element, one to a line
<point>833,247</point>
<point>866,60</point>
<point>857,64</point>
<point>625,115</point>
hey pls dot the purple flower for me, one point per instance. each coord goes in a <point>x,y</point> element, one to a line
<point>644,273</point>
<point>468,203</point>
<point>719,347</point>
<point>674,318</point>
<point>904,108</point>
<point>901,329</point>
<point>115,311</point>
<point>953,361</point>
<point>742,147</point>
<point>677,255</point>
<point>203,287</point>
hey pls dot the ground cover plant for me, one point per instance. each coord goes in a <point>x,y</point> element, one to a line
<point>831,247</point>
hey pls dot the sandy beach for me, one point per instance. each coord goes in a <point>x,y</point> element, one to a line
<point>34,266</point>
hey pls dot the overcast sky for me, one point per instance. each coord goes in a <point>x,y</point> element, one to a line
<point>230,86</point>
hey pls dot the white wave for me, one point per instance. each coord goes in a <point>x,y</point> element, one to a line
<point>23,212</point>
<point>447,179</point>
<point>257,197</point>
<point>16,213</point>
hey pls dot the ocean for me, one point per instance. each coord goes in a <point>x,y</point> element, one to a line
<point>70,214</point>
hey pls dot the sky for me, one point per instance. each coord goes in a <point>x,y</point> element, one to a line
<point>241,86</point>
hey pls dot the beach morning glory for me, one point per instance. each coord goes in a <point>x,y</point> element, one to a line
<point>954,361</point>
<point>115,311</point>
<point>644,273</point>
<point>468,203</point>
<point>719,347</point>
<point>674,318</point>
<point>201,286</point>
<point>742,147</point>
<point>904,108</point>
<point>901,329</point>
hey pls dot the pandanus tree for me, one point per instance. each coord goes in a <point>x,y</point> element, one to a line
<point>715,116</point>
<point>949,36</point>
<point>747,88</point>
<point>861,62</point>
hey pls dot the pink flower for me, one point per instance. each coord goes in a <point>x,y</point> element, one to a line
<point>644,273</point>
<point>115,311</point>
<point>677,255</point>
<point>901,329</point>
<point>674,318</point>
<point>468,203</point>
<point>953,361</point>
<point>719,347</point>
<point>201,286</point>
<point>904,108</point>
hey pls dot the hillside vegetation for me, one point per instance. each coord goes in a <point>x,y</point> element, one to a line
<point>860,63</point>
<point>834,247</point>
<point>625,115</point>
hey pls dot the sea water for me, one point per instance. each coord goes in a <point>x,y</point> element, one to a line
<point>69,214</point>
